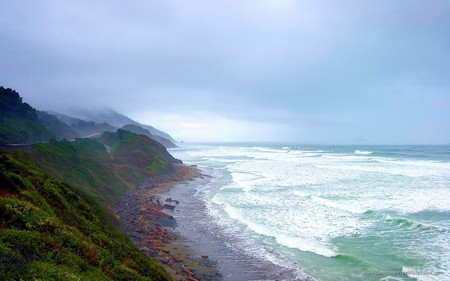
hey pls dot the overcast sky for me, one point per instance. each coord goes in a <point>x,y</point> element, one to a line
<point>303,71</point>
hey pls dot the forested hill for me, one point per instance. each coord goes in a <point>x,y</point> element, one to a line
<point>19,122</point>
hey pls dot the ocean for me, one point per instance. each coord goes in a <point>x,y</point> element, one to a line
<point>354,212</point>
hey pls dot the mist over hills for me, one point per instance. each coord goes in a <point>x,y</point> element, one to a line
<point>139,130</point>
<point>84,128</point>
<point>95,123</point>
<point>21,123</point>
<point>118,120</point>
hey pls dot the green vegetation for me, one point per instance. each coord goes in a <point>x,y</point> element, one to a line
<point>137,150</point>
<point>139,130</point>
<point>158,165</point>
<point>87,128</point>
<point>19,122</point>
<point>87,165</point>
<point>52,231</point>
<point>83,163</point>
<point>84,128</point>
<point>55,126</point>
<point>58,199</point>
<point>22,124</point>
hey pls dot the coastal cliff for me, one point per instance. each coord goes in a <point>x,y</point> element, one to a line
<point>58,201</point>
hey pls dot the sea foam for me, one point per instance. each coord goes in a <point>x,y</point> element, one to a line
<point>338,202</point>
<point>294,242</point>
<point>363,152</point>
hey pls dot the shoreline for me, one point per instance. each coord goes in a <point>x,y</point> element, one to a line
<point>185,240</point>
<point>236,260</point>
<point>145,218</point>
<point>206,224</point>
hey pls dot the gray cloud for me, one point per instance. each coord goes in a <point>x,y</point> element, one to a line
<point>329,71</point>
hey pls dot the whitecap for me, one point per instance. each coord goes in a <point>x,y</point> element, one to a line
<point>304,245</point>
<point>335,205</point>
<point>289,241</point>
<point>301,193</point>
<point>363,152</point>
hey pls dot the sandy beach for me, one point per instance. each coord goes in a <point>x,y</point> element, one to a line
<point>146,219</point>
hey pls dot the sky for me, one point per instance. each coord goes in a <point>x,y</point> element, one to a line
<point>321,71</point>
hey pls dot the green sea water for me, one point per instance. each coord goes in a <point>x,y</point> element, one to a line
<point>333,212</point>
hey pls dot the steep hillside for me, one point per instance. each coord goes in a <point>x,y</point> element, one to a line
<point>59,129</point>
<point>19,122</point>
<point>139,130</point>
<point>120,120</point>
<point>89,128</point>
<point>84,164</point>
<point>58,198</point>
<point>69,120</point>
<point>84,128</point>
<point>140,151</point>
<point>104,168</point>
<point>51,230</point>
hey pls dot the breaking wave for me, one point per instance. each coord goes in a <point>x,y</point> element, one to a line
<point>363,152</point>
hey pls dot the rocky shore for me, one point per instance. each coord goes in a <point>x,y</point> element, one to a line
<point>145,218</point>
